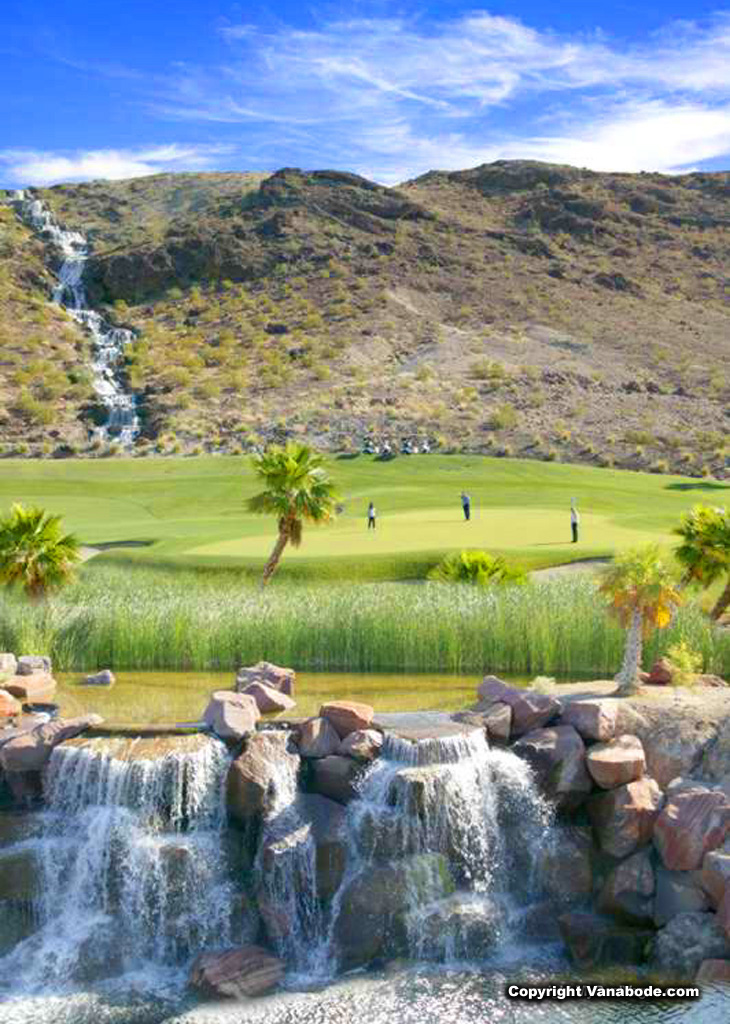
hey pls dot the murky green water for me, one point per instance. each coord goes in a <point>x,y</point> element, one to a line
<point>169,697</point>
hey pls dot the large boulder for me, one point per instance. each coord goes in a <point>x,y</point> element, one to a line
<point>363,744</point>
<point>565,865</point>
<point>461,926</point>
<point>713,972</point>
<point>691,823</point>
<point>594,718</point>
<point>529,710</point>
<point>30,751</point>
<point>268,700</point>
<point>335,777</point>
<point>498,722</point>
<point>34,664</point>
<point>715,873</point>
<point>676,748</point>
<point>616,762</point>
<point>256,775</point>
<point>347,716</point>
<point>18,920</point>
<point>9,706</point>
<point>373,910</point>
<point>278,678</point>
<point>231,716</point>
<point>236,973</point>
<point>623,818</point>
<point>103,678</point>
<point>660,673</point>
<point>38,688</point>
<point>19,873</point>
<point>558,757</point>
<point>8,664</point>
<point>686,941</point>
<point>628,891</point>
<point>317,738</point>
<point>596,941</point>
<point>715,762</point>
<point>677,892</point>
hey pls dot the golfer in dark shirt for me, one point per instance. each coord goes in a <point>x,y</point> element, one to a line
<point>466,505</point>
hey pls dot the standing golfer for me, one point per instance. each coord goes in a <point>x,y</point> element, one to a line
<point>371,516</point>
<point>466,505</point>
<point>574,520</point>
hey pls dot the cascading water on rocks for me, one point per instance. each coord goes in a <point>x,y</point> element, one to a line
<point>132,873</point>
<point>122,421</point>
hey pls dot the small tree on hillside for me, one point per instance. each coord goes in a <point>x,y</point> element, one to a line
<point>643,595</point>
<point>704,551</point>
<point>298,489</point>
<point>35,554</point>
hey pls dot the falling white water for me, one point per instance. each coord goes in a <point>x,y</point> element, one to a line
<point>109,342</point>
<point>287,874</point>
<point>132,874</point>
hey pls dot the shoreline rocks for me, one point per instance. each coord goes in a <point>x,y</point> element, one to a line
<point>236,973</point>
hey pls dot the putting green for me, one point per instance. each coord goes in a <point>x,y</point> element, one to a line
<point>444,528</point>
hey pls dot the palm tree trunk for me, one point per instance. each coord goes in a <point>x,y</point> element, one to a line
<point>270,567</point>
<point>628,677</point>
<point>722,605</point>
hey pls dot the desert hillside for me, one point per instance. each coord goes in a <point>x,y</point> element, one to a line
<point>517,308</point>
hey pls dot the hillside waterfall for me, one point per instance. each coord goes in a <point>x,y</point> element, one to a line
<point>132,876</point>
<point>109,343</point>
<point>139,869</point>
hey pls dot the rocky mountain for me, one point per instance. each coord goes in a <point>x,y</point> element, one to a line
<point>517,308</point>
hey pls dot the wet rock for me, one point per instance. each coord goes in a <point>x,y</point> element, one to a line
<point>18,920</point>
<point>677,892</point>
<point>268,700</point>
<point>558,758</point>
<point>498,722</point>
<point>335,777</point>
<point>39,688</point>
<point>594,719</point>
<point>253,777</point>
<point>34,664</point>
<point>715,873</point>
<point>372,918</point>
<point>30,751</point>
<point>623,818</point>
<point>616,762</point>
<point>236,973</point>
<point>677,748</point>
<point>461,926</point>
<point>347,716</point>
<point>596,941</point>
<point>9,706</point>
<point>565,867</point>
<point>362,745</point>
<point>529,710</point>
<point>691,823</point>
<point>628,891</point>
<point>538,922</point>
<point>8,664</point>
<point>278,678</point>
<point>19,876</point>
<point>713,972</point>
<point>317,738</point>
<point>104,678</point>
<point>231,715</point>
<point>686,941</point>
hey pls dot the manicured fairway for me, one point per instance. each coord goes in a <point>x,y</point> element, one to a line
<point>190,511</point>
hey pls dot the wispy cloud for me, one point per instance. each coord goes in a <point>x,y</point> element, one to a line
<point>392,98</point>
<point>29,167</point>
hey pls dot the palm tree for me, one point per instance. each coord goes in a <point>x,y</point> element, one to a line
<point>35,553</point>
<point>704,551</point>
<point>297,490</point>
<point>643,595</point>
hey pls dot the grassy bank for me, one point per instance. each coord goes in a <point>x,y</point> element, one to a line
<point>151,619</point>
<point>190,512</point>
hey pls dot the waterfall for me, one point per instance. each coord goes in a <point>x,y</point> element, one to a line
<point>132,873</point>
<point>122,421</point>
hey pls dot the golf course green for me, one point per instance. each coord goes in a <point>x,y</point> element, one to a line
<point>191,511</point>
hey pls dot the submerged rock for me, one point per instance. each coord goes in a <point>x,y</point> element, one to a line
<point>595,941</point>
<point>103,678</point>
<point>460,926</point>
<point>236,973</point>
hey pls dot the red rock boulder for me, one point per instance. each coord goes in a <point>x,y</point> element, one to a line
<point>268,700</point>
<point>691,823</point>
<point>628,891</point>
<point>715,874</point>
<point>38,688</point>
<point>529,710</point>
<point>623,818</point>
<point>557,756</point>
<point>278,678</point>
<point>317,738</point>
<point>617,762</point>
<point>594,718</point>
<point>347,716</point>
<point>236,973</point>
<point>362,745</point>
<point>231,716</point>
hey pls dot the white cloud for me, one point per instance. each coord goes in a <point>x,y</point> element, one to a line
<point>30,167</point>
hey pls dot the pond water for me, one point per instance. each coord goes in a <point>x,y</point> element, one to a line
<point>169,697</point>
<point>411,996</point>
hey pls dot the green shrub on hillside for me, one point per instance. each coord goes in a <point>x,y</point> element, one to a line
<point>477,567</point>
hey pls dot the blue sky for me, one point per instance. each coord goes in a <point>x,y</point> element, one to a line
<point>389,90</point>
